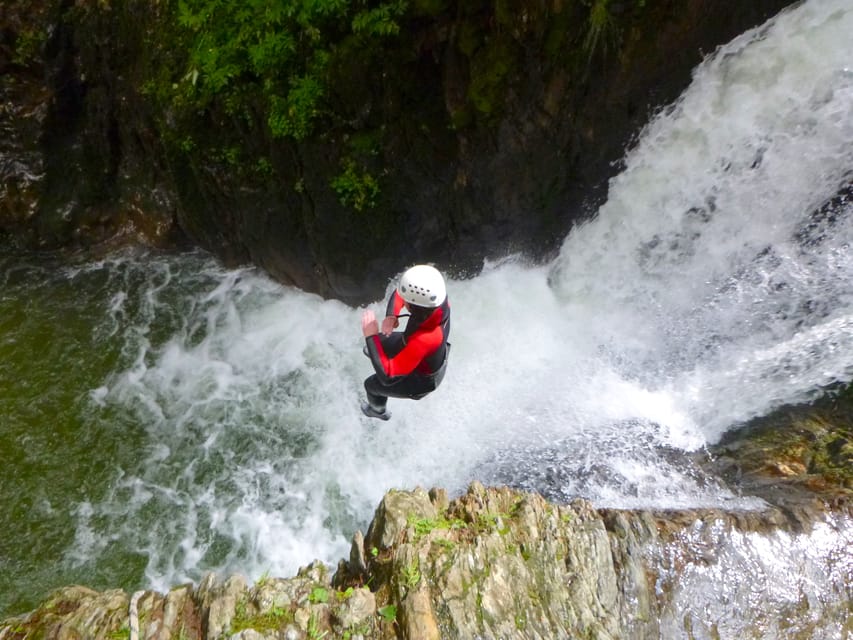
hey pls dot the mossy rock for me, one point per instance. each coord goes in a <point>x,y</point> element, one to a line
<point>808,446</point>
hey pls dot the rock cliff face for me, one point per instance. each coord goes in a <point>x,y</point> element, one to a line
<point>80,162</point>
<point>485,127</point>
<point>500,563</point>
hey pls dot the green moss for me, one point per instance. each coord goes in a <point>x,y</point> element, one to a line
<point>357,630</point>
<point>122,633</point>
<point>367,143</point>
<point>461,118</point>
<point>424,526</point>
<point>491,68</point>
<point>832,455</point>
<point>272,620</point>
<point>493,522</point>
<point>388,613</point>
<point>814,444</point>
<point>318,595</point>
<point>28,46</point>
<point>505,13</point>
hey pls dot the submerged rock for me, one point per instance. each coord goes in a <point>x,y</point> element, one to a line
<point>799,459</point>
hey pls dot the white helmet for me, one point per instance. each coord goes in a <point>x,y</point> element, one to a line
<point>422,285</point>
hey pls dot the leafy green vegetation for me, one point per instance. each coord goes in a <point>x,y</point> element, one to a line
<point>278,64</point>
<point>488,522</point>
<point>326,96</point>
<point>319,595</point>
<point>388,613</point>
<point>357,630</point>
<point>520,621</point>
<point>263,580</point>
<point>411,575</point>
<point>355,188</point>
<point>445,544</point>
<point>344,595</point>
<point>271,57</point>
<point>602,32</point>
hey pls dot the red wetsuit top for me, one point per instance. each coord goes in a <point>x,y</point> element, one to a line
<point>424,342</point>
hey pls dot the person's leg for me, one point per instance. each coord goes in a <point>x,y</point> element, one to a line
<point>377,399</point>
<point>376,396</point>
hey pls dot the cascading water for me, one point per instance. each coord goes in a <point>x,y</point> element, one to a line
<point>725,244</point>
<point>187,418</point>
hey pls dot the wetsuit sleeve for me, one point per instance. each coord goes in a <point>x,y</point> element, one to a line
<point>377,357</point>
<point>395,305</point>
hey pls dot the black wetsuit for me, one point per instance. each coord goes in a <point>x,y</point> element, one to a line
<point>410,363</point>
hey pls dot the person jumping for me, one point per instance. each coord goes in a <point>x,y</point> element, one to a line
<point>409,363</point>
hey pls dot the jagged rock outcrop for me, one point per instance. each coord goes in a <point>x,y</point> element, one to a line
<point>487,127</point>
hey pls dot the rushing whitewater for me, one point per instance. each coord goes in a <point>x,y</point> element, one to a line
<point>715,284</point>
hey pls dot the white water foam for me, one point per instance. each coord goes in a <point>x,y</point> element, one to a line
<point>710,287</point>
<point>798,585</point>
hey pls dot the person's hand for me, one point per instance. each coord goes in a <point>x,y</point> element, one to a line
<point>389,324</point>
<point>369,326</point>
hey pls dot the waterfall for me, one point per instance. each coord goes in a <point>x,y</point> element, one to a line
<point>715,284</point>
